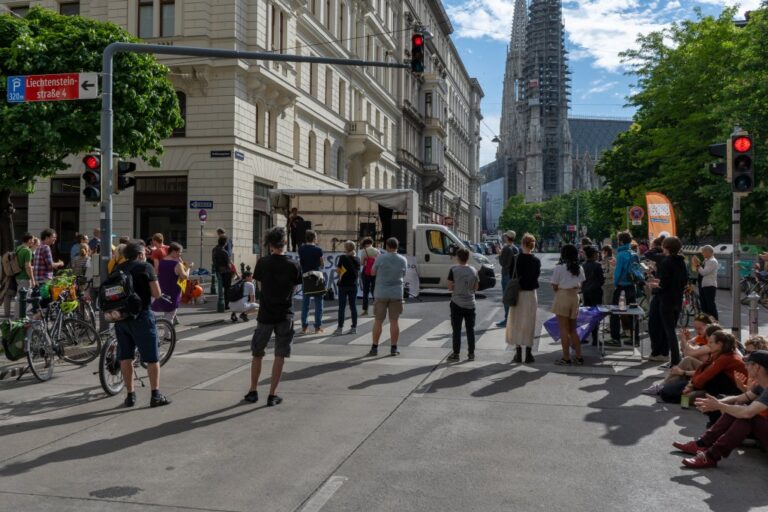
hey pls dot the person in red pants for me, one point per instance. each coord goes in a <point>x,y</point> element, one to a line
<point>741,415</point>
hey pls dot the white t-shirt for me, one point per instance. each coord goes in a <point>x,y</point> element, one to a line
<point>248,290</point>
<point>563,278</point>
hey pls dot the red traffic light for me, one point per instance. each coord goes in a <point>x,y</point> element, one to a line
<point>742,144</point>
<point>418,40</point>
<point>92,162</point>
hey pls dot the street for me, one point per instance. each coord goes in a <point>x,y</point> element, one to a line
<point>355,433</point>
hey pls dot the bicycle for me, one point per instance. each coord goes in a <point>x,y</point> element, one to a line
<point>58,335</point>
<point>110,375</point>
<point>691,304</point>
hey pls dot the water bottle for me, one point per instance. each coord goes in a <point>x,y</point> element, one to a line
<point>622,301</point>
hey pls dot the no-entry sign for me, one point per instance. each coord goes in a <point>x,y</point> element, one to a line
<point>202,215</point>
<point>58,87</point>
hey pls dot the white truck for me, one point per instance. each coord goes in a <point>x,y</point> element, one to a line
<point>351,214</point>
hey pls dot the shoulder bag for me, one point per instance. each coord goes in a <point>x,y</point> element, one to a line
<point>512,291</point>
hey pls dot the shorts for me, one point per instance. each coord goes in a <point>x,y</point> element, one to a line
<point>566,303</point>
<point>383,306</point>
<point>283,338</point>
<point>137,333</point>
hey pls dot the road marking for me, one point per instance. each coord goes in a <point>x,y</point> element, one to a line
<point>324,493</point>
<point>489,339</point>
<point>319,338</point>
<point>365,339</point>
<point>383,359</point>
<point>221,377</point>
<point>217,333</point>
<point>436,337</point>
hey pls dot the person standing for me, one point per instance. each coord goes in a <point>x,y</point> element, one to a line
<point>94,244</point>
<point>621,281</point>
<point>26,277</point>
<point>566,281</point>
<point>43,260</point>
<point>659,348</point>
<point>463,282</point>
<point>707,279</point>
<point>74,250</point>
<point>247,303</point>
<point>368,255</point>
<point>608,263</point>
<point>277,277</point>
<point>349,270</point>
<point>81,263</point>
<point>389,269</point>
<point>171,270</point>
<point>296,229</point>
<point>508,253</point>
<point>140,332</point>
<point>223,266</point>
<point>158,250</point>
<point>592,289</point>
<point>671,282</point>
<point>521,320</point>
<point>311,259</point>
<point>228,247</point>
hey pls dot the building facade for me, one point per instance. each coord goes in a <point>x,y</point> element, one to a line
<point>253,126</point>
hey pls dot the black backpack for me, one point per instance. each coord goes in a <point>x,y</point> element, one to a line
<point>235,292</point>
<point>117,296</point>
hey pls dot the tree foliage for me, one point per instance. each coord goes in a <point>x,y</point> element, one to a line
<point>35,138</point>
<point>696,81</point>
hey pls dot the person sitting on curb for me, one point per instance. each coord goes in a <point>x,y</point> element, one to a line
<point>742,415</point>
<point>246,304</point>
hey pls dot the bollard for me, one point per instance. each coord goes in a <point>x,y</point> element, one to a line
<point>220,293</point>
<point>22,303</point>
<point>213,283</point>
<point>753,298</point>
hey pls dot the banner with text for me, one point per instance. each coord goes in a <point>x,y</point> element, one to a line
<point>661,215</point>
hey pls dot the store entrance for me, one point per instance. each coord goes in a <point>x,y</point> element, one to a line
<point>65,215</point>
<point>161,207</point>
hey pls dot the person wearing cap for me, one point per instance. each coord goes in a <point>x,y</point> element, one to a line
<point>707,271</point>
<point>506,258</point>
<point>742,415</point>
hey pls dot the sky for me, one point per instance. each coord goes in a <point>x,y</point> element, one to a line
<point>596,32</point>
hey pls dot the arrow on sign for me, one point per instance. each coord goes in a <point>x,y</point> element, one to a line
<point>87,85</point>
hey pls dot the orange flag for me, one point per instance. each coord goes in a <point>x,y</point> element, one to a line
<point>661,215</point>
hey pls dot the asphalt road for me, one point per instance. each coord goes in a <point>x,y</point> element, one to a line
<point>409,433</point>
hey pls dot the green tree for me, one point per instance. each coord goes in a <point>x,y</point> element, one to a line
<point>35,138</point>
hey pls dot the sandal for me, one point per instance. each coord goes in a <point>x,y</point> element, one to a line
<point>563,362</point>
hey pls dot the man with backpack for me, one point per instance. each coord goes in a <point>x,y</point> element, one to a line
<point>242,297</point>
<point>222,265</point>
<point>368,255</point>
<point>136,329</point>
<point>507,256</point>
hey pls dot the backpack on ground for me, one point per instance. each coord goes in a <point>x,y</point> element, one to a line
<point>368,266</point>
<point>235,292</point>
<point>117,297</point>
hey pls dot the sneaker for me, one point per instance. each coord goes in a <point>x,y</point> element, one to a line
<point>700,461</point>
<point>373,352</point>
<point>273,400</point>
<point>159,400</point>
<point>394,352</point>
<point>252,397</point>
<point>665,366</point>
<point>304,330</point>
<point>319,330</point>
<point>352,330</point>
<point>470,357</point>
<point>364,312</point>
<point>613,343</point>
<point>563,362</point>
<point>233,317</point>
<point>244,317</point>
<point>130,399</point>
<point>453,357</point>
<point>653,390</point>
<point>338,332</point>
<point>501,323</point>
<point>658,358</point>
<point>691,448</point>
<point>579,361</point>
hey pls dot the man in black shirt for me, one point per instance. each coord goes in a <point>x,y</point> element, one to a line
<point>671,283</point>
<point>140,332</point>
<point>506,258</point>
<point>277,278</point>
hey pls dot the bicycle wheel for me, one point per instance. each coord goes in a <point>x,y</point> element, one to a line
<point>110,376</point>
<point>79,341</point>
<point>85,313</point>
<point>166,340</point>
<point>40,353</point>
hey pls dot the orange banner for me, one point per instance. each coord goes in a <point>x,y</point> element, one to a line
<point>661,215</point>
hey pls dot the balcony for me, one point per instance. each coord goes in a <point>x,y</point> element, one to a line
<point>432,177</point>
<point>407,159</point>
<point>364,145</point>
<point>434,126</point>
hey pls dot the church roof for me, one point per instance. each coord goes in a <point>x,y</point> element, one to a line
<point>594,135</point>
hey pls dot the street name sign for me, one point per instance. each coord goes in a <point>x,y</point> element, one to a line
<point>57,87</point>
<point>195,205</point>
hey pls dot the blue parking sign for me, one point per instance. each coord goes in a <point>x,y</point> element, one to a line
<point>16,88</point>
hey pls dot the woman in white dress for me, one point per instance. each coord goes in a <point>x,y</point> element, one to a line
<point>521,319</point>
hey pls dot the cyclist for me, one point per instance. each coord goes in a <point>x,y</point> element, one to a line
<point>140,332</point>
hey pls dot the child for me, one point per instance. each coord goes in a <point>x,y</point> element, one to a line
<point>463,283</point>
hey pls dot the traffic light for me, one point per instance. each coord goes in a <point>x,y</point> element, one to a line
<point>720,151</point>
<point>123,169</point>
<point>92,177</point>
<point>742,170</point>
<point>417,52</point>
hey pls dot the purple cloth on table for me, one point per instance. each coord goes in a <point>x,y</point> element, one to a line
<point>588,319</point>
<point>168,280</point>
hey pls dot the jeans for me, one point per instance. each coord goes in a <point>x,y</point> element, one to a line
<point>728,433</point>
<point>629,294</point>
<point>659,345</point>
<point>459,314</point>
<point>318,310</point>
<point>369,283</point>
<point>669,315</point>
<point>348,293</point>
<point>504,280</point>
<point>707,299</point>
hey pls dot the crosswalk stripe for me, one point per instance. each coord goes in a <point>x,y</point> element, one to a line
<point>436,337</point>
<point>319,338</point>
<point>225,330</point>
<point>383,359</point>
<point>492,337</point>
<point>365,339</point>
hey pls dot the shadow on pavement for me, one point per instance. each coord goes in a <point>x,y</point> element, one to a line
<point>504,384</point>
<point>390,378</point>
<point>458,379</point>
<point>321,369</point>
<point>101,447</point>
<point>728,493</point>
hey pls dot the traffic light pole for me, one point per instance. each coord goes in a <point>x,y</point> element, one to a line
<point>735,284</point>
<point>107,114</point>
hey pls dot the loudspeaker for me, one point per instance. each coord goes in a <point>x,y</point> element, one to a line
<point>368,229</point>
<point>400,231</point>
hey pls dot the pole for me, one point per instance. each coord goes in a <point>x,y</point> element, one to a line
<point>578,233</point>
<point>753,298</point>
<point>735,298</point>
<point>200,261</point>
<point>106,169</point>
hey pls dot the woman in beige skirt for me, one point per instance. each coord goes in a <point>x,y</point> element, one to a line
<point>566,281</point>
<point>521,319</point>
